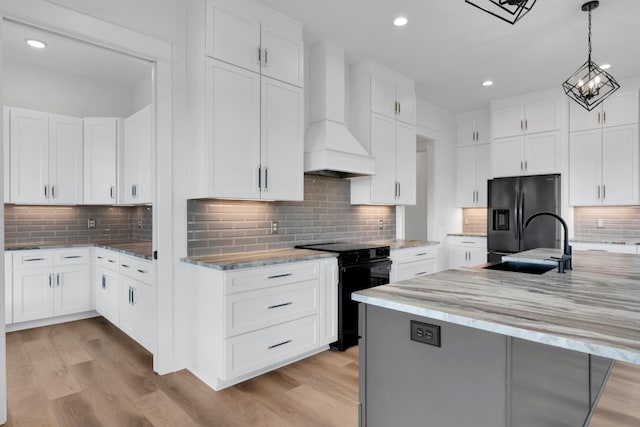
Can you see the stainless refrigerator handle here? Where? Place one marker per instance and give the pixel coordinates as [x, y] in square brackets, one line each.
[521, 222]
[516, 210]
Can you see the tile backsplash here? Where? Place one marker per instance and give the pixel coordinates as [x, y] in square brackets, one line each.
[224, 226]
[620, 223]
[474, 221]
[32, 224]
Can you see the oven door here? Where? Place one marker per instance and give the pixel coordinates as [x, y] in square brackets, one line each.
[354, 278]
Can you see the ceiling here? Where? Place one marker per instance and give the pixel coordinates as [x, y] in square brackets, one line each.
[449, 47]
[73, 57]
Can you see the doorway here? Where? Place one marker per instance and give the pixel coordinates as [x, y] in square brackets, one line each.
[416, 216]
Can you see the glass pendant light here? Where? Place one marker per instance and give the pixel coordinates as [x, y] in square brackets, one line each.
[510, 11]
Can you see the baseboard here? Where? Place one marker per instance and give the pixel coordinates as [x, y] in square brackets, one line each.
[51, 321]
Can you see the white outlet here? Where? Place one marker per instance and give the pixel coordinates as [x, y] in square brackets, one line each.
[274, 227]
[600, 223]
[91, 223]
[380, 225]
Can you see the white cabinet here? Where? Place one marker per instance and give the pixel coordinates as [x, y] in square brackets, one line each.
[50, 283]
[408, 263]
[619, 109]
[252, 320]
[137, 158]
[604, 247]
[529, 118]
[466, 251]
[473, 132]
[393, 97]
[472, 173]
[100, 141]
[254, 135]
[107, 294]
[6, 152]
[8, 288]
[604, 166]
[254, 37]
[46, 158]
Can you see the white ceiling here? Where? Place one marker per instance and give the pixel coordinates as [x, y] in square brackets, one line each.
[450, 47]
[72, 57]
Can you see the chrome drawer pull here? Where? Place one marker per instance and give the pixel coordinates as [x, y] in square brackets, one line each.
[126, 266]
[421, 273]
[279, 344]
[33, 259]
[142, 271]
[112, 261]
[277, 276]
[72, 256]
[271, 307]
[469, 243]
[99, 257]
[421, 254]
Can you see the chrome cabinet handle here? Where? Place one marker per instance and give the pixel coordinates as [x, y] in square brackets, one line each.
[46, 194]
[279, 344]
[277, 276]
[99, 257]
[72, 256]
[521, 165]
[112, 261]
[133, 296]
[399, 108]
[50, 280]
[421, 273]
[142, 271]
[111, 191]
[104, 282]
[526, 124]
[526, 165]
[598, 117]
[521, 125]
[271, 307]
[125, 265]
[58, 280]
[266, 179]
[259, 178]
[604, 118]
[259, 55]
[604, 192]
[399, 189]
[598, 192]
[33, 259]
[421, 254]
[53, 191]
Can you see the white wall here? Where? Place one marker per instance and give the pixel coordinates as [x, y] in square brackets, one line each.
[53, 92]
[142, 94]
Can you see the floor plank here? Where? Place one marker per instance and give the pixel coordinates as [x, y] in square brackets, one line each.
[163, 411]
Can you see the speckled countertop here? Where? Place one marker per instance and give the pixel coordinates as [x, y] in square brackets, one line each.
[402, 244]
[138, 248]
[591, 309]
[620, 241]
[238, 260]
[467, 235]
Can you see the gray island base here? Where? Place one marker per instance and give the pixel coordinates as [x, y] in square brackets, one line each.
[504, 349]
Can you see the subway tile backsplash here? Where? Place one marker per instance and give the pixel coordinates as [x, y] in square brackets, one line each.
[474, 221]
[224, 226]
[32, 224]
[620, 223]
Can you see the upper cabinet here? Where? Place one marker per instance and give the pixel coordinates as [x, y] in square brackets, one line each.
[136, 158]
[525, 138]
[253, 145]
[383, 117]
[618, 110]
[253, 37]
[101, 136]
[46, 163]
[473, 162]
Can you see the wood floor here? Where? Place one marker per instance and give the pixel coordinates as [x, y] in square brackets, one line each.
[89, 373]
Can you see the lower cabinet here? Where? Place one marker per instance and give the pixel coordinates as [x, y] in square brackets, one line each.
[408, 263]
[8, 288]
[467, 251]
[136, 313]
[107, 293]
[250, 321]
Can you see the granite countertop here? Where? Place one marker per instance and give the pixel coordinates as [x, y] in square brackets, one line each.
[467, 235]
[620, 241]
[138, 248]
[591, 309]
[238, 260]
[402, 244]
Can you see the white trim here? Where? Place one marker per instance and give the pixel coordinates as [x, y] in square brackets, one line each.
[3, 343]
[51, 321]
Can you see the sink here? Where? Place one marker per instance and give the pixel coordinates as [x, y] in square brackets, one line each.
[522, 267]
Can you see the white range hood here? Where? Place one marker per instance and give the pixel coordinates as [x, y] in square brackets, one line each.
[329, 148]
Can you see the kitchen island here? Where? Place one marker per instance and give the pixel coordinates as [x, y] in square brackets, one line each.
[514, 349]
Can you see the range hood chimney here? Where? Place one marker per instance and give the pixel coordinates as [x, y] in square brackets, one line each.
[329, 148]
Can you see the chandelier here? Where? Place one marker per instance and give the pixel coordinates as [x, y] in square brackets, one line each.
[508, 10]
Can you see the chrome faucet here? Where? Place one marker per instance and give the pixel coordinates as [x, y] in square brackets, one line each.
[564, 262]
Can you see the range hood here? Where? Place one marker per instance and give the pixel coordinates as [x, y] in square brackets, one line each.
[329, 148]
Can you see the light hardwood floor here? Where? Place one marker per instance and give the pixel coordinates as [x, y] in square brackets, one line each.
[89, 373]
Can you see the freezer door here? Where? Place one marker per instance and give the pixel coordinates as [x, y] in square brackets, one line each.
[502, 215]
[540, 194]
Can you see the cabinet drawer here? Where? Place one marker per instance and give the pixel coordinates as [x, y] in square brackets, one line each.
[415, 254]
[264, 277]
[71, 256]
[107, 258]
[137, 269]
[256, 350]
[32, 259]
[604, 247]
[415, 269]
[466, 241]
[249, 311]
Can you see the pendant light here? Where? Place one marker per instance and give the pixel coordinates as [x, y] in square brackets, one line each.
[508, 10]
[590, 84]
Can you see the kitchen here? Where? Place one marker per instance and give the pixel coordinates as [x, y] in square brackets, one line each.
[435, 124]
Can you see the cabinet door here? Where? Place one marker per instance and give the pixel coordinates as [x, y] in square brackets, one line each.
[136, 158]
[467, 133]
[477, 256]
[466, 177]
[29, 147]
[383, 97]
[406, 105]
[144, 315]
[328, 301]
[8, 288]
[282, 54]
[585, 167]
[233, 131]
[507, 156]
[541, 117]
[65, 160]
[458, 256]
[233, 34]
[406, 163]
[383, 141]
[107, 294]
[100, 147]
[620, 165]
[6, 152]
[282, 142]
[127, 310]
[508, 122]
[620, 109]
[483, 173]
[32, 294]
[101, 291]
[541, 153]
[581, 119]
[72, 289]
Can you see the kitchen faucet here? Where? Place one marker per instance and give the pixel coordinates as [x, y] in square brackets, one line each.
[564, 262]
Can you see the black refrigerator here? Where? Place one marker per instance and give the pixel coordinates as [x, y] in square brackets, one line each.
[510, 202]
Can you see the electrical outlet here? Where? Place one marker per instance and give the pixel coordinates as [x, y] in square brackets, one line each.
[600, 223]
[274, 227]
[425, 333]
[380, 225]
[91, 223]
[466, 221]
[139, 222]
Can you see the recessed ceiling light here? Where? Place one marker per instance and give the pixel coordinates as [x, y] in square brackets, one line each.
[605, 66]
[400, 21]
[36, 43]
[487, 83]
